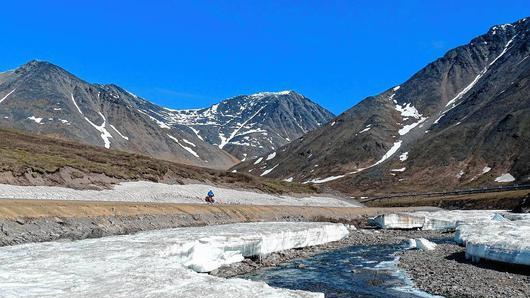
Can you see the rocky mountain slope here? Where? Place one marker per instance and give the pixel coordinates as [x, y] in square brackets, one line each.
[35, 160]
[247, 126]
[43, 98]
[462, 121]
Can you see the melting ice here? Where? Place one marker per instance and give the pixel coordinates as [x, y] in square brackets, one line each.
[160, 263]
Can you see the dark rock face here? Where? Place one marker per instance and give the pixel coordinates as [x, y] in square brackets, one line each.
[462, 121]
[524, 207]
[247, 126]
[43, 98]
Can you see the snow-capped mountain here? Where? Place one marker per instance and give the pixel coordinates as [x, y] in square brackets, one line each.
[43, 98]
[462, 121]
[247, 126]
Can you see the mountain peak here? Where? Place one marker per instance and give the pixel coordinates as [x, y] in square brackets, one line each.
[264, 94]
[37, 64]
[509, 27]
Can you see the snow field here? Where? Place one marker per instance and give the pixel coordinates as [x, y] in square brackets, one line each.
[155, 263]
[143, 191]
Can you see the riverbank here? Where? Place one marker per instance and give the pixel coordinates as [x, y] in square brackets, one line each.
[25, 221]
[443, 271]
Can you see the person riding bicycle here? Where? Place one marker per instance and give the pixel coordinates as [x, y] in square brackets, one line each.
[209, 197]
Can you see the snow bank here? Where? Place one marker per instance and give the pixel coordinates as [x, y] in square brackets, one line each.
[154, 263]
[143, 191]
[503, 241]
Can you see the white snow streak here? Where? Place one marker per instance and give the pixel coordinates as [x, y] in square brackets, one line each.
[75, 103]
[464, 91]
[389, 153]
[258, 160]
[367, 128]
[189, 143]
[121, 135]
[266, 172]
[105, 135]
[196, 131]
[324, 180]
[225, 141]
[184, 147]
[3, 98]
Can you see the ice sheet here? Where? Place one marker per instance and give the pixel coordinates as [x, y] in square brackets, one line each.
[143, 191]
[434, 220]
[154, 263]
[450, 219]
[504, 241]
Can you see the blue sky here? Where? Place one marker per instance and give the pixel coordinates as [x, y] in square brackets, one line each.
[185, 54]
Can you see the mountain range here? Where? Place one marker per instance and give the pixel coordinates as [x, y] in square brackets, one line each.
[43, 98]
[461, 121]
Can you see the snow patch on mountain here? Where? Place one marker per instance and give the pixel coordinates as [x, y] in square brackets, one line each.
[486, 169]
[408, 110]
[409, 127]
[271, 156]
[404, 156]
[324, 180]
[504, 178]
[36, 119]
[367, 128]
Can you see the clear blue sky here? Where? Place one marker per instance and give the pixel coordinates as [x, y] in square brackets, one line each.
[184, 54]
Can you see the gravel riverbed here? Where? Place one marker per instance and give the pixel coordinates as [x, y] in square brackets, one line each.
[443, 271]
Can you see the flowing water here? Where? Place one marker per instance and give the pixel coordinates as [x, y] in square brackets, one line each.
[356, 271]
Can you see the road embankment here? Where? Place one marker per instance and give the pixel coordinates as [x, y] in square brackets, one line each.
[24, 221]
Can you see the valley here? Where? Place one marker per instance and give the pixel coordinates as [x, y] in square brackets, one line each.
[420, 190]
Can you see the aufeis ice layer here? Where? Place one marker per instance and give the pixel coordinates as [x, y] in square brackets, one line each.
[143, 191]
[503, 241]
[155, 263]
